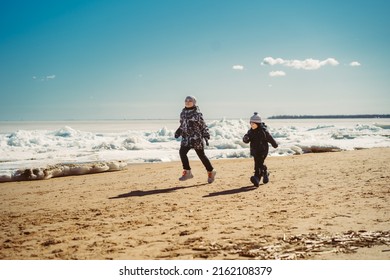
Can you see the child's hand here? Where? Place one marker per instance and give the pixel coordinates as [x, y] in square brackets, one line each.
[178, 133]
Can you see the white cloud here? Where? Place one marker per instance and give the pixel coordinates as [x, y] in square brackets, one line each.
[238, 67]
[272, 61]
[44, 78]
[277, 74]
[307, 64]
[354, 64]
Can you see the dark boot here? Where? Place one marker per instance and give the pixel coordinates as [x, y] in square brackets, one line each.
[255, 181]
[265, 176]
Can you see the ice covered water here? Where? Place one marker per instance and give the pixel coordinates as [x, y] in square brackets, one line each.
[81, 147]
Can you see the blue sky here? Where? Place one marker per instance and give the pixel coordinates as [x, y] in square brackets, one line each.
[140, 59]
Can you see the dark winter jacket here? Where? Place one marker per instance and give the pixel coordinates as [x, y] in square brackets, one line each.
[259, 139]
[193, 128]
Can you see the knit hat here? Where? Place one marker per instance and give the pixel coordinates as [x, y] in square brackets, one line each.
[192, 98]
[255, 118]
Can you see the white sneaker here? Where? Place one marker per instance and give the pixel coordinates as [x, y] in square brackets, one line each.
[211, 176]
[186, 175]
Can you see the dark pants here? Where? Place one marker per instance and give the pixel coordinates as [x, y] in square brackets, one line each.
[260, 168]
[202, 156]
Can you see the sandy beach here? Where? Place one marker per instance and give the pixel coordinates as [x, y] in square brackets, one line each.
[316, 206]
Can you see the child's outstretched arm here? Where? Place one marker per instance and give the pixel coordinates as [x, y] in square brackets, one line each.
[204, 128]
[178, 132]
[271, 140]
[246, 139]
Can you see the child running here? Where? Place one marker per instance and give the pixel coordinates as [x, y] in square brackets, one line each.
[193, 131]
[259, 137]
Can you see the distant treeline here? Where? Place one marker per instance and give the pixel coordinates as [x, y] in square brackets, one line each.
[383, 116]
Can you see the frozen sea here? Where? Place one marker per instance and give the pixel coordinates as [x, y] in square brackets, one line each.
[95, 146]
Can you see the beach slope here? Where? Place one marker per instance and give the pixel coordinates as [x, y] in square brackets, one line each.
[316, 206]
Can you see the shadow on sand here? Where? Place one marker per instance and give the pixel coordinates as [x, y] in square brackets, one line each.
[232, 191]
[152, 192]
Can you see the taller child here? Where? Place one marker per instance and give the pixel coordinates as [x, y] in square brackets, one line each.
[194, 133]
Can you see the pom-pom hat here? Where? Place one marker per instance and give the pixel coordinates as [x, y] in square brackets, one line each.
[255, 118]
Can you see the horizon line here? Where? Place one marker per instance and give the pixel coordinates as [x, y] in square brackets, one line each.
[284, 116]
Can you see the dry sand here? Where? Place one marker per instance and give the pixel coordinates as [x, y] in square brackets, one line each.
[316, 206]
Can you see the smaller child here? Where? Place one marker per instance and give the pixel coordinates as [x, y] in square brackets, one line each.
[259, 137]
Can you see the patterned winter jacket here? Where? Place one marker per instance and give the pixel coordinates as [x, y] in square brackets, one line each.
[259, 139]
[193, 128]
